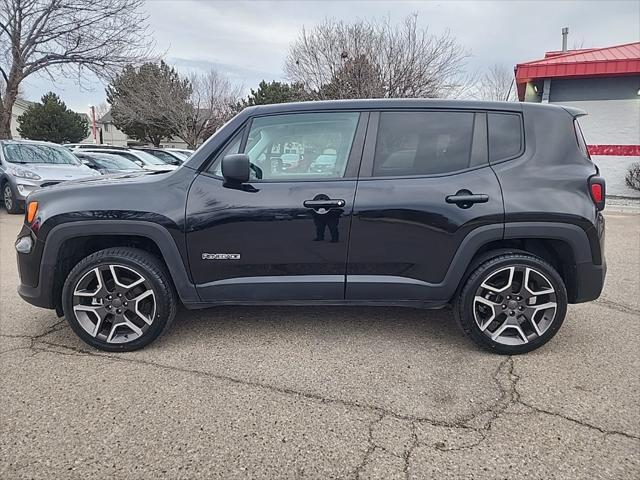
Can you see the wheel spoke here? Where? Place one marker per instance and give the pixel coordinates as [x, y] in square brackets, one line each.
[527, 279]
[484, 324]
[138, 299]
[534, 310]
[505, 326]
[505, 287]
[126, 286]
[99, 288]
[125, 322]
[99, 312]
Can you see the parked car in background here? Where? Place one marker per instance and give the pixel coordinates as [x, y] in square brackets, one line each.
[93, 146]
[143, 159]
[27, 165]
[172, 158]
[181, 151]
[107, 163]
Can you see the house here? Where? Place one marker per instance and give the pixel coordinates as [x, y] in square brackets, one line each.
[19, 107]
[108, 134]
[605, 82]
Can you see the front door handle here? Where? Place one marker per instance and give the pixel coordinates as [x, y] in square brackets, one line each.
[324, 205]
[466, 199]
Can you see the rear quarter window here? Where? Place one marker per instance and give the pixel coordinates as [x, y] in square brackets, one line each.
[582, 144]
[505, 136]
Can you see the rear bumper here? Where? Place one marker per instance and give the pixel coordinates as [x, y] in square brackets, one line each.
[589, 281]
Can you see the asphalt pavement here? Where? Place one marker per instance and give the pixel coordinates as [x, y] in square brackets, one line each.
[292, 392]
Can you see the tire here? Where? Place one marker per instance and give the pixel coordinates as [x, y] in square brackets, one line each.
[107, 303]
[515, 319]
[9, 199]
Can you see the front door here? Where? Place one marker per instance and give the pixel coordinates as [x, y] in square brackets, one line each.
[425, 185]
[283, 235]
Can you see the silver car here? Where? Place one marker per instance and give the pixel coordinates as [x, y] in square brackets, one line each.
[27, 165]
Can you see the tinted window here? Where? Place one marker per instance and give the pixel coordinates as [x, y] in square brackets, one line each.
[580, 137]
[301, 146]
[423, 143]
[505, 135]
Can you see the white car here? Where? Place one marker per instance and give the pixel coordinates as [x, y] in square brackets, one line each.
[144, 159]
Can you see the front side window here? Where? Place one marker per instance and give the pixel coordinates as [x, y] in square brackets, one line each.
[24, 153]
[303, 146]
[505, 135]
[423, 143]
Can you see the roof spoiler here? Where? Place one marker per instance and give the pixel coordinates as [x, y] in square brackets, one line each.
[575, 112]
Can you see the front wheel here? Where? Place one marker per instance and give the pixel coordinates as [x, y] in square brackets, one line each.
[9, 198]
[512, 304]
[119, 299]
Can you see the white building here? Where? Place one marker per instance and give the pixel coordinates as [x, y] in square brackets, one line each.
[605, 82]
[108, 134]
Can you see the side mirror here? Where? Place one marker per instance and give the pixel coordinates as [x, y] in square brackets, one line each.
[139, 163]
[236, 168]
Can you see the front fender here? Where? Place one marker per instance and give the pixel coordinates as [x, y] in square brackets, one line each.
[42, 294]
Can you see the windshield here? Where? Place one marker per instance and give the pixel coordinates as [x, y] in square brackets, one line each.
[24, 153]
[114, 162]
[180, 154]
[148, 158]
[166, 157]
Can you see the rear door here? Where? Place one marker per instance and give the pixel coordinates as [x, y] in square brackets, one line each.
[425, 184]
[283, 235]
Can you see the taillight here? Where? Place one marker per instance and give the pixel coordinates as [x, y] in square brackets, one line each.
[597, 190]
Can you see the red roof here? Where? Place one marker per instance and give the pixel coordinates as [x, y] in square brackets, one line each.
[589, 62]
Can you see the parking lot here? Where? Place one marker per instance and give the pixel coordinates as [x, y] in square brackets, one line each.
[324, 392]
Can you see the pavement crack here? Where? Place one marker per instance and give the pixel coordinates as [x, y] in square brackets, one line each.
[371, 446]
[621, 307]
[579, 422]
[250, 383]
[409, 451]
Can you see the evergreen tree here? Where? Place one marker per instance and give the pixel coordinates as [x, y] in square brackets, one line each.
[52, 121]
[275, 92]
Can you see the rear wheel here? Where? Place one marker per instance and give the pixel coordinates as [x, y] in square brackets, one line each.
[512, 304]
[119, 299]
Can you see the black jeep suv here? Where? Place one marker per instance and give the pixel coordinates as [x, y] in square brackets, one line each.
[492, 207]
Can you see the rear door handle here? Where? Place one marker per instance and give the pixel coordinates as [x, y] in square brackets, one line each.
[324, 204]
[466, 199]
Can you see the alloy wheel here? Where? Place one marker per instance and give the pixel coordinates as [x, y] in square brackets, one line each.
[515, 305]
[114, 303]
[8, 197]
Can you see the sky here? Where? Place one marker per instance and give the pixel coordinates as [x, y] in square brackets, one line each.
[249, 40]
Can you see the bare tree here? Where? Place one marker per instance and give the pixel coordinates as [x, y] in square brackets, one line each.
[66, 37]
[404, 60]
[498, 84]
[102, 109]
[213, 101]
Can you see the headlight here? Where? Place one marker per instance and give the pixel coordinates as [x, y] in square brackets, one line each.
[22, 173]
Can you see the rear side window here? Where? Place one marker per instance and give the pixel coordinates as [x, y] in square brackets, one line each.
[580, 137]
[505, 136]
[423, 143]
